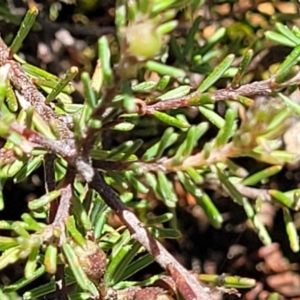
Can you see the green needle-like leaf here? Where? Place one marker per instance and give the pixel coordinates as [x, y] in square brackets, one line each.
[50, 259]
[44, 200]
[190, 37]
[69, 76]
[166, 190]
[77, 236]
[78, 272]
[279, 38]
[291, 230]
[234, 193]
[211, 211]
[290, 60]
[24, 281]
[289, 103]
[120, 263]
[258, 225]
[104, 56]
[137, 265]
[283, 199]
[283, 29]
[173, 121]
[216, 74]
[213, 117]
[261, 175]
[156, 151]
[228, 281]
[242, 68]
[227, 131]
[163, 69]
[28, 168]
[24, 29]
[7, 242]
[31, 263]
[176, 93]
[9, 256]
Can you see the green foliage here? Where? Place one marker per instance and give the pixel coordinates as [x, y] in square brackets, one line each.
[160, 144]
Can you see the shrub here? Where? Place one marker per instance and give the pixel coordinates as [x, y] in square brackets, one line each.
[151, 124]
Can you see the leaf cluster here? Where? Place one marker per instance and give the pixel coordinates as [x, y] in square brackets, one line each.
[135, 139]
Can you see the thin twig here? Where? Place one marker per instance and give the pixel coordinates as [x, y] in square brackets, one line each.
[188, 285]
[264, 87]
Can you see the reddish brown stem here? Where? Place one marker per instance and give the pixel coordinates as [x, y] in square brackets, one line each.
[188, 285]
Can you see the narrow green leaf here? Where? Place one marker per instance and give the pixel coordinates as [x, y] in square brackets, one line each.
[283, 29]
[283, 199]
[279, 39]
[173, 121]
[124, 126]
[28, 168]
[31, 263]
[11, 99]
[80, 214]
[189, 42]
[127, 149]
[167, 27]
[77, 236]
[289, 103]
[258, 225]
[228, 130]
[261, 175]
[44, 200]
[165, 233]
[291, 230]
[146, 86]
[160, 219]
[41, 126]
[211, 211]
[7, 242]
[195, 175]
[166, 190]
[163, 82]
[215, 38]
[31, 222]
[24, 29]
[228, 281]
[175, 93]
[120, 261]
[14, 168]
[99, 225]
[213, 117]
[247, 57]
[70, 74]
[137, 265]
[46, 289]
[168, 138]
[136, 184]
[123, 240]
[216, 73]
[81, 278]
[90, 96]
[104, 56]
[164, 70]
[20, 230]
[24, 281]
[234, 193]
[290, 60]
[9, 256]
[50, 259]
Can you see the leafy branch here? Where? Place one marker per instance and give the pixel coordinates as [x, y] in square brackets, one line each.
[86, 180]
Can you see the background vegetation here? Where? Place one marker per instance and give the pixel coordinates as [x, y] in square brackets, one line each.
[149, 149]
